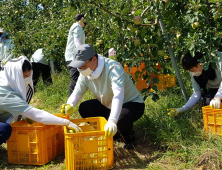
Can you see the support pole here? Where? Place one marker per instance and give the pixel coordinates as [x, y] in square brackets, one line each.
[173, 60]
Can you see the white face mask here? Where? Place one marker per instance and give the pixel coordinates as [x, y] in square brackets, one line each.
[86, 72]
[198, 73]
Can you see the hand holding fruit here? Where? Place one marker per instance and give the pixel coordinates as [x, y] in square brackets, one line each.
[72, 126]
[174, 111]
[67, 109]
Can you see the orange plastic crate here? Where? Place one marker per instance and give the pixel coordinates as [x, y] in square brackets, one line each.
[34, 144]
[212, 120]
[90, 149]
[164, 80]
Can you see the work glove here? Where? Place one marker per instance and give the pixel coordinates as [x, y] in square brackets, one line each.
[110, 128]
[175, 111]
[67, 109]
[72, 126]
[215, 103]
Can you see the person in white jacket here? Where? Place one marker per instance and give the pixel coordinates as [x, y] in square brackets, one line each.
[16, 91]
[116, 97]
[41, 66]
[76, 37]
[6, 47]
[206, 84]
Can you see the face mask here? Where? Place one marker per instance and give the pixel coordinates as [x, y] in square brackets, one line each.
[86, 72]
[198, 73]
[27, 80]
[85, 24]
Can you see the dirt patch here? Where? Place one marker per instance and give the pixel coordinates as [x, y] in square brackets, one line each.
[210, 160]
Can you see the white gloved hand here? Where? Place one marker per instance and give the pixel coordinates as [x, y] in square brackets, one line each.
[72, 126]
[110, 128]
[215, 103]
[175, 111]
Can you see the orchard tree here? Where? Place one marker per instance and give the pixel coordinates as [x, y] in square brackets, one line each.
[131, 27]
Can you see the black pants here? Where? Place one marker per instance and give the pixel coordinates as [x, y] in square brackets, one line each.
[74, 77]
[130, 113]
[39, 68]
[5, 132]
[207, 97]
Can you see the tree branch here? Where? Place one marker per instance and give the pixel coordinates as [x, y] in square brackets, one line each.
[145, 11]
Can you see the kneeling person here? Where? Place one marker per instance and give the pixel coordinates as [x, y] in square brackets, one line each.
[16, 91]
[206, 84]
[117, 98]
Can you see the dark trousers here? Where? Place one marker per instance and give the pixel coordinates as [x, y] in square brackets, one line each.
[5, 132]
[74, 77]
[208, 96]
[39, 68]
[130, 113]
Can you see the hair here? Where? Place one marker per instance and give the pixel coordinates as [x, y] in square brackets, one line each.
[96, 55]
[79, 16]
[26, 66]
[188, 62]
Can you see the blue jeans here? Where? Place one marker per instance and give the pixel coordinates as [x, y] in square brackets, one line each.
[5, 132]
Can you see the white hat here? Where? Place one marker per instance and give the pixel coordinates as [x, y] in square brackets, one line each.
[1, 29]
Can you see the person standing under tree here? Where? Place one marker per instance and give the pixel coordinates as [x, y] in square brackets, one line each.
[76, 37]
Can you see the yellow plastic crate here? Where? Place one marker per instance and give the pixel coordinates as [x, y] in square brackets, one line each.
[90, 149]
[212, 120]
[34, 144]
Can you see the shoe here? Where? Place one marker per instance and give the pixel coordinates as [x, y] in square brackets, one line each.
[130, 145]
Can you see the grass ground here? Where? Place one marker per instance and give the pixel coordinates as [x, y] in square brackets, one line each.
[163, 142]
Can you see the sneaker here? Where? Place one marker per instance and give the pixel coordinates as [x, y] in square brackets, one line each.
[130, 145]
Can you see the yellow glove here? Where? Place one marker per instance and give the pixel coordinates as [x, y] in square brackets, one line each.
[174, 111]
[110, 129]
[30, 121]
[67, 109]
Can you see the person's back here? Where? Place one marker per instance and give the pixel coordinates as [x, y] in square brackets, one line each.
[41, 66]
[76, 31]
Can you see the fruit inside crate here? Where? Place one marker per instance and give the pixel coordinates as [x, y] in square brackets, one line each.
[90, 149]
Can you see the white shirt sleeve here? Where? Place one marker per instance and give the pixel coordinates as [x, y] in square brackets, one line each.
[117, 103]
[74, 99]
[44, 117]
[192, 100]
[219, 92]
[52, 67]
[77, 41]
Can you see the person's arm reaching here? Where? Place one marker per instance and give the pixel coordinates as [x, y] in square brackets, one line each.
[195, 97]
[117, 102]
[192, 100]
[74, 99]
[46, 118]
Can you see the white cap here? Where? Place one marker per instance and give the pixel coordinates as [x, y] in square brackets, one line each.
[1, 29]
